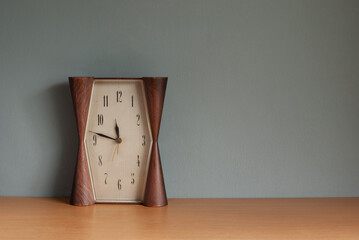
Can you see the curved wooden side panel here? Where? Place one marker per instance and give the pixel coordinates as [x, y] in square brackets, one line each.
[155, 192]
[81, 88]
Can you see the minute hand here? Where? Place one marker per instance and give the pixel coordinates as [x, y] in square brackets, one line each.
[103, 135]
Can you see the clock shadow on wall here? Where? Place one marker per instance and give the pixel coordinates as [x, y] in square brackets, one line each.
[64, 127]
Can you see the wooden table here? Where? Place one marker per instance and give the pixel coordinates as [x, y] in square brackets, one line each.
[54, 218]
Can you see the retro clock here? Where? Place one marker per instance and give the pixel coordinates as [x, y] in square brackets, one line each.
[118, 158]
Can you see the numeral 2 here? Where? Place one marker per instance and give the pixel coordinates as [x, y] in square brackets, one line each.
[138, 119]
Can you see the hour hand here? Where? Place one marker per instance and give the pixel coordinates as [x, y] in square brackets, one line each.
[117, 129]
[103, 135]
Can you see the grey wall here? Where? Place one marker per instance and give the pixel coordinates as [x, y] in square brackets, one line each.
[262, 99]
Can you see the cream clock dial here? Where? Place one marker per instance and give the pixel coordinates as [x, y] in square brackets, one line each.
[118, 140]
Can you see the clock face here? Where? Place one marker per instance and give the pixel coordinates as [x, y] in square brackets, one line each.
[118, 140]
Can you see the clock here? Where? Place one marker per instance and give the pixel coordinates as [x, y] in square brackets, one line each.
[118, 158]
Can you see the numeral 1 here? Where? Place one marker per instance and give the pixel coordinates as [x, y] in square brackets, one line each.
[132, 101]
[138, 160]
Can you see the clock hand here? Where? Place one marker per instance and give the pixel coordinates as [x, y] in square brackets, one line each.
[114, 151]
[103, 135]
[118, 139]
[117, 129]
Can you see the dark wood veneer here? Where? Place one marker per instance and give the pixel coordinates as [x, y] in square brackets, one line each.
[155, 193]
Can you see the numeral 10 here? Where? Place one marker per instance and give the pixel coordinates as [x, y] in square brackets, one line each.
[100, 119]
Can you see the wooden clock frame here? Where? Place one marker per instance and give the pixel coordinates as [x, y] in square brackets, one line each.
[81, 89]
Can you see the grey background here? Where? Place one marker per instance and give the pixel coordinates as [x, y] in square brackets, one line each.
[262, 98]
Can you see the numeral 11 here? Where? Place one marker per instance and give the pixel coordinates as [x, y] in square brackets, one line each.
[105, 101]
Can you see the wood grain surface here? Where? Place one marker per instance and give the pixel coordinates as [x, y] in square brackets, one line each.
[82, 193]
[155, 193]
[311, 218]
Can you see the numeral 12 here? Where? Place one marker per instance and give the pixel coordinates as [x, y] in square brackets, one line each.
[119, 95]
